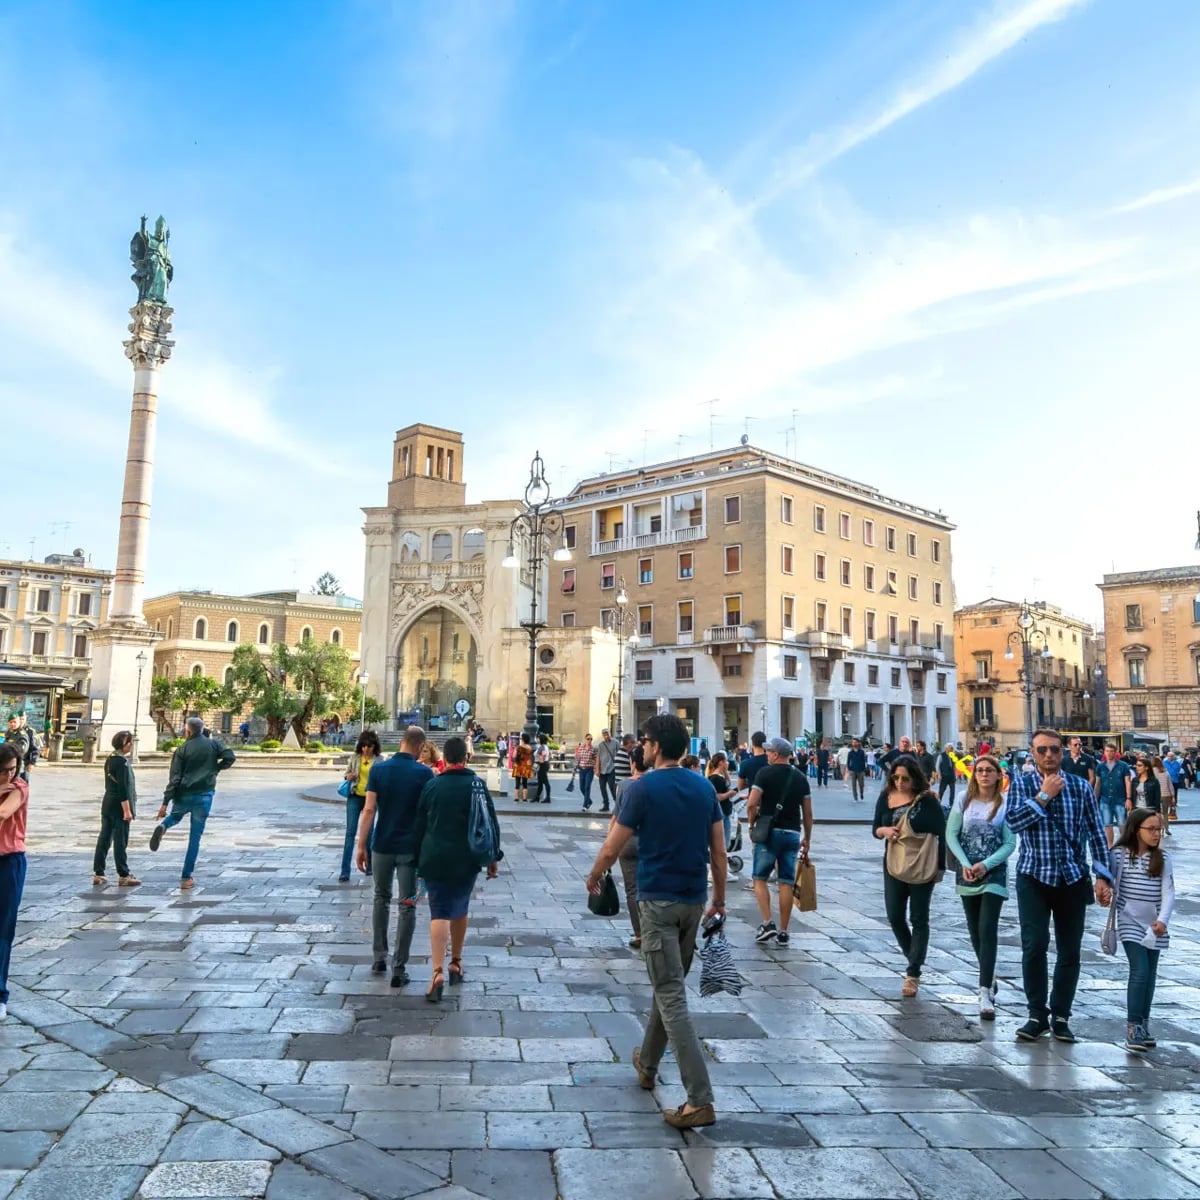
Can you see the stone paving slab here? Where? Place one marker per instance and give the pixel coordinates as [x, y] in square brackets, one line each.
[232, 1041]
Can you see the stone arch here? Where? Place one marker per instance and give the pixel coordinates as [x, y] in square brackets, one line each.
[434, 661]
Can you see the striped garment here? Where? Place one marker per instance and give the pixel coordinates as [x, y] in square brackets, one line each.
[1140, 899]
[717, 970]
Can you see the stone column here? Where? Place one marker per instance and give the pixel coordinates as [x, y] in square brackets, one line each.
[120, 692]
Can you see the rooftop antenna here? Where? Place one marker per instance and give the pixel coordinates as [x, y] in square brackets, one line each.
[63, 526]
[32, 543]
[679, 446]
[712, 436]
[795, 444]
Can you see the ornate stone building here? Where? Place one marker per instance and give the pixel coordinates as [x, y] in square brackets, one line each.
[1152, 651]
[441, 613]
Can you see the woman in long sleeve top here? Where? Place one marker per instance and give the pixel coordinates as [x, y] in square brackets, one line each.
[978, 836]
[117, 810]
[907, 795]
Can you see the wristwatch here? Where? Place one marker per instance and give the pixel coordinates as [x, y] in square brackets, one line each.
[1043, 798]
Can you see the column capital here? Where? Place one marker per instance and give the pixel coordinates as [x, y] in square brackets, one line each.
[150, 346]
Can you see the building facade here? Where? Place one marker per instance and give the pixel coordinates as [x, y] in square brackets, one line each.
[441, 613]
[48, 612]
[991, 696]
[201, 630]
[765, 594]
[1152, 650]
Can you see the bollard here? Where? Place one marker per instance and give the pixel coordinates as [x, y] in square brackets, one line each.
[89, 748]
[54, 747]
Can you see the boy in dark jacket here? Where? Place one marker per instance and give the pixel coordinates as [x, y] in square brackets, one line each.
[117, 809]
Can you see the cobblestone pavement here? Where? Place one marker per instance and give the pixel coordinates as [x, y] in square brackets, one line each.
[232, 1042]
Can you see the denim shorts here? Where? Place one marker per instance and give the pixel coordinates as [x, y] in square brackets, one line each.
[1112, 812]
[781, 852]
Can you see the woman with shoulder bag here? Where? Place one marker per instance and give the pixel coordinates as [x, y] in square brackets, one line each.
[367, 751]
[910, 820]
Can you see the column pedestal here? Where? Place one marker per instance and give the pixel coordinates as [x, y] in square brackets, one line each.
[115, 684]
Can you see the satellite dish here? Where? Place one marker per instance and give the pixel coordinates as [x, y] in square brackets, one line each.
[745, 439]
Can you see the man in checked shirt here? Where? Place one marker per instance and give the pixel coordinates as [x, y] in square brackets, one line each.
[1059, 822]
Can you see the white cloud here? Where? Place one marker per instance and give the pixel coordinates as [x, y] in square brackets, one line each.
[1159, 196]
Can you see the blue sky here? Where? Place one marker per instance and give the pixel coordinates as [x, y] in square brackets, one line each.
[954, 246]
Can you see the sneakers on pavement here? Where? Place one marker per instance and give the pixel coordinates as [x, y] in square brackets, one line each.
[379, 966]
[186, 885]
[3, 1010]
[766, 933]
[1148, 1038]
[1060, 1030]
[1135, 1039]
[157, 836]
[987, 1005]
[1032, 1030]
[781, 938]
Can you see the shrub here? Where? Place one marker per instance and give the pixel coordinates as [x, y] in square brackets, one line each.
[487, 747]
[246, 750]
[313, 747]
[171, 743]
[73, 744]
[269, 744]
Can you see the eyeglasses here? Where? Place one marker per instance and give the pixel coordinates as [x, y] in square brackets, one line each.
[1047, 749]
[1147, 828]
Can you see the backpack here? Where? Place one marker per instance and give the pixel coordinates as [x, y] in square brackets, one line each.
[483, 834]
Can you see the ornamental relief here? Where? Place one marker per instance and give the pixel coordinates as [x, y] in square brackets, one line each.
[408, 596]
[551, 679]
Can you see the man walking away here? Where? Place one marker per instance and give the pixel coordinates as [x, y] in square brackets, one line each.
[856, 767]
[606, 761]
[947, 782]
[1058, 823]
[189, 791]
[677, 820]
[753, 763]
[393, 790]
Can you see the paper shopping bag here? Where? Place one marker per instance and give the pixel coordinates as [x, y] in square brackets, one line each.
[805, 888]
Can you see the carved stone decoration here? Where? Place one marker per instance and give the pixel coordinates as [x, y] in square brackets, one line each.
[552, 679]
[469, 595]
[150, 345]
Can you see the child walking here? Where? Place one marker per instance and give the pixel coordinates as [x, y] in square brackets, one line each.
[1144, 894]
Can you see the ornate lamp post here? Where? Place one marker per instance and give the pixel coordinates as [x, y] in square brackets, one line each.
[141, 664]
[632, 641]
[538, 527]
[1030, 637]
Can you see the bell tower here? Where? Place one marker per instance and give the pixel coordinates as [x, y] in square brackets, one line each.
[427, 465]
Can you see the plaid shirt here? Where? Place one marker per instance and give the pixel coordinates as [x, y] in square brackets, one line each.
[1054, 839]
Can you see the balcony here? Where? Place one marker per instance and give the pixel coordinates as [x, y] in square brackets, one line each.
[919, 655]
[737, 639]
[648, 541]
[427, 570]
[823, 643]
[980, 685]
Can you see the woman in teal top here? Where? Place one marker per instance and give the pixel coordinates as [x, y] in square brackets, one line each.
[979, 837]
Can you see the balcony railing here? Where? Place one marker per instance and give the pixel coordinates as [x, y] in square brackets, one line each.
[724, 634]
[426, 570]
[647, 541]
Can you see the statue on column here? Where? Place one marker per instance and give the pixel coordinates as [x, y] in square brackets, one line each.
[152, 270]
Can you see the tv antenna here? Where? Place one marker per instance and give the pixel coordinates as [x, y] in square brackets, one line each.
[712, 404]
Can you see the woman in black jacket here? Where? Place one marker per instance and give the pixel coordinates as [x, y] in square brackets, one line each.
[116, 811]
[1146, 791]
[907, 794]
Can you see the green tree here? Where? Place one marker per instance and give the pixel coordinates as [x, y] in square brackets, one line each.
[373, 712]
[164, 702]
[327, 585]
[260, 680]
[320, 674]
[190, 695]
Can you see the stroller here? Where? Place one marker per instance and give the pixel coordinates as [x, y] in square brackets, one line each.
[735, 837]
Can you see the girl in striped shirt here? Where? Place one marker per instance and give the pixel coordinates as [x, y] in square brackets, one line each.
[1144, 893]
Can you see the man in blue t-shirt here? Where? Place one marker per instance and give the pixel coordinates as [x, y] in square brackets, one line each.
[679, 828]
[755, 763]
[1114, 789]
[393, 789]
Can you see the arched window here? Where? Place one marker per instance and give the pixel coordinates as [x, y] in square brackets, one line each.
[231, 632]
[473, 545]
[158, 627]
[410, 547]
[336, 637]
[229, 677]
[170, 627]
[264, 634]
[306, 634]
[201, 629]
[443, 546]
[197, 670]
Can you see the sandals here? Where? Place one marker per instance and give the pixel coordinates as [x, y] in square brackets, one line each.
[434, 994]
[456, 972]
[909, 987]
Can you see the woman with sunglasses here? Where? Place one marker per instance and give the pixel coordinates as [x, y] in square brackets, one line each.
[1144, 895]
[907, 814]
[978, 836]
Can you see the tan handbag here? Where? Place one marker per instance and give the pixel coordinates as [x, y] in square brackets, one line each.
[804, 890]
[912, 857]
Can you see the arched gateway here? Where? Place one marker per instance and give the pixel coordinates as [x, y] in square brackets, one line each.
[435, 667]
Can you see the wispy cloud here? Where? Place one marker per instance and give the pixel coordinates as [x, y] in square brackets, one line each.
[1159, 196]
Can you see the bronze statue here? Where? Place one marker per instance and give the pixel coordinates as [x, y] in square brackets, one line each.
[152, 270]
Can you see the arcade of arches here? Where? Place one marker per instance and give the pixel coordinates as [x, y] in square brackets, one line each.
[435, 666]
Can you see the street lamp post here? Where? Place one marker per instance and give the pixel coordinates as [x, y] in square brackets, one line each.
[1030, 637]
[137, 709]
[622, 617]
[538, 526]
[363, 680]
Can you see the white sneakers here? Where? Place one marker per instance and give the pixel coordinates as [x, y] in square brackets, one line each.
[987, 1004]
[3, 1010]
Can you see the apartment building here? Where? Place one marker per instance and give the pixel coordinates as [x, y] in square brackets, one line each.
[1152, 650]
[200, 630]
[48, 612]
[764, 593]
[1063, 659]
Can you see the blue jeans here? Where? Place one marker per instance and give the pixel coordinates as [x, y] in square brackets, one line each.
[780, 851]
[1112, 812]
[197, 807]
[1143, 971]
[354, 809]
[12, 884]
[586, 775]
